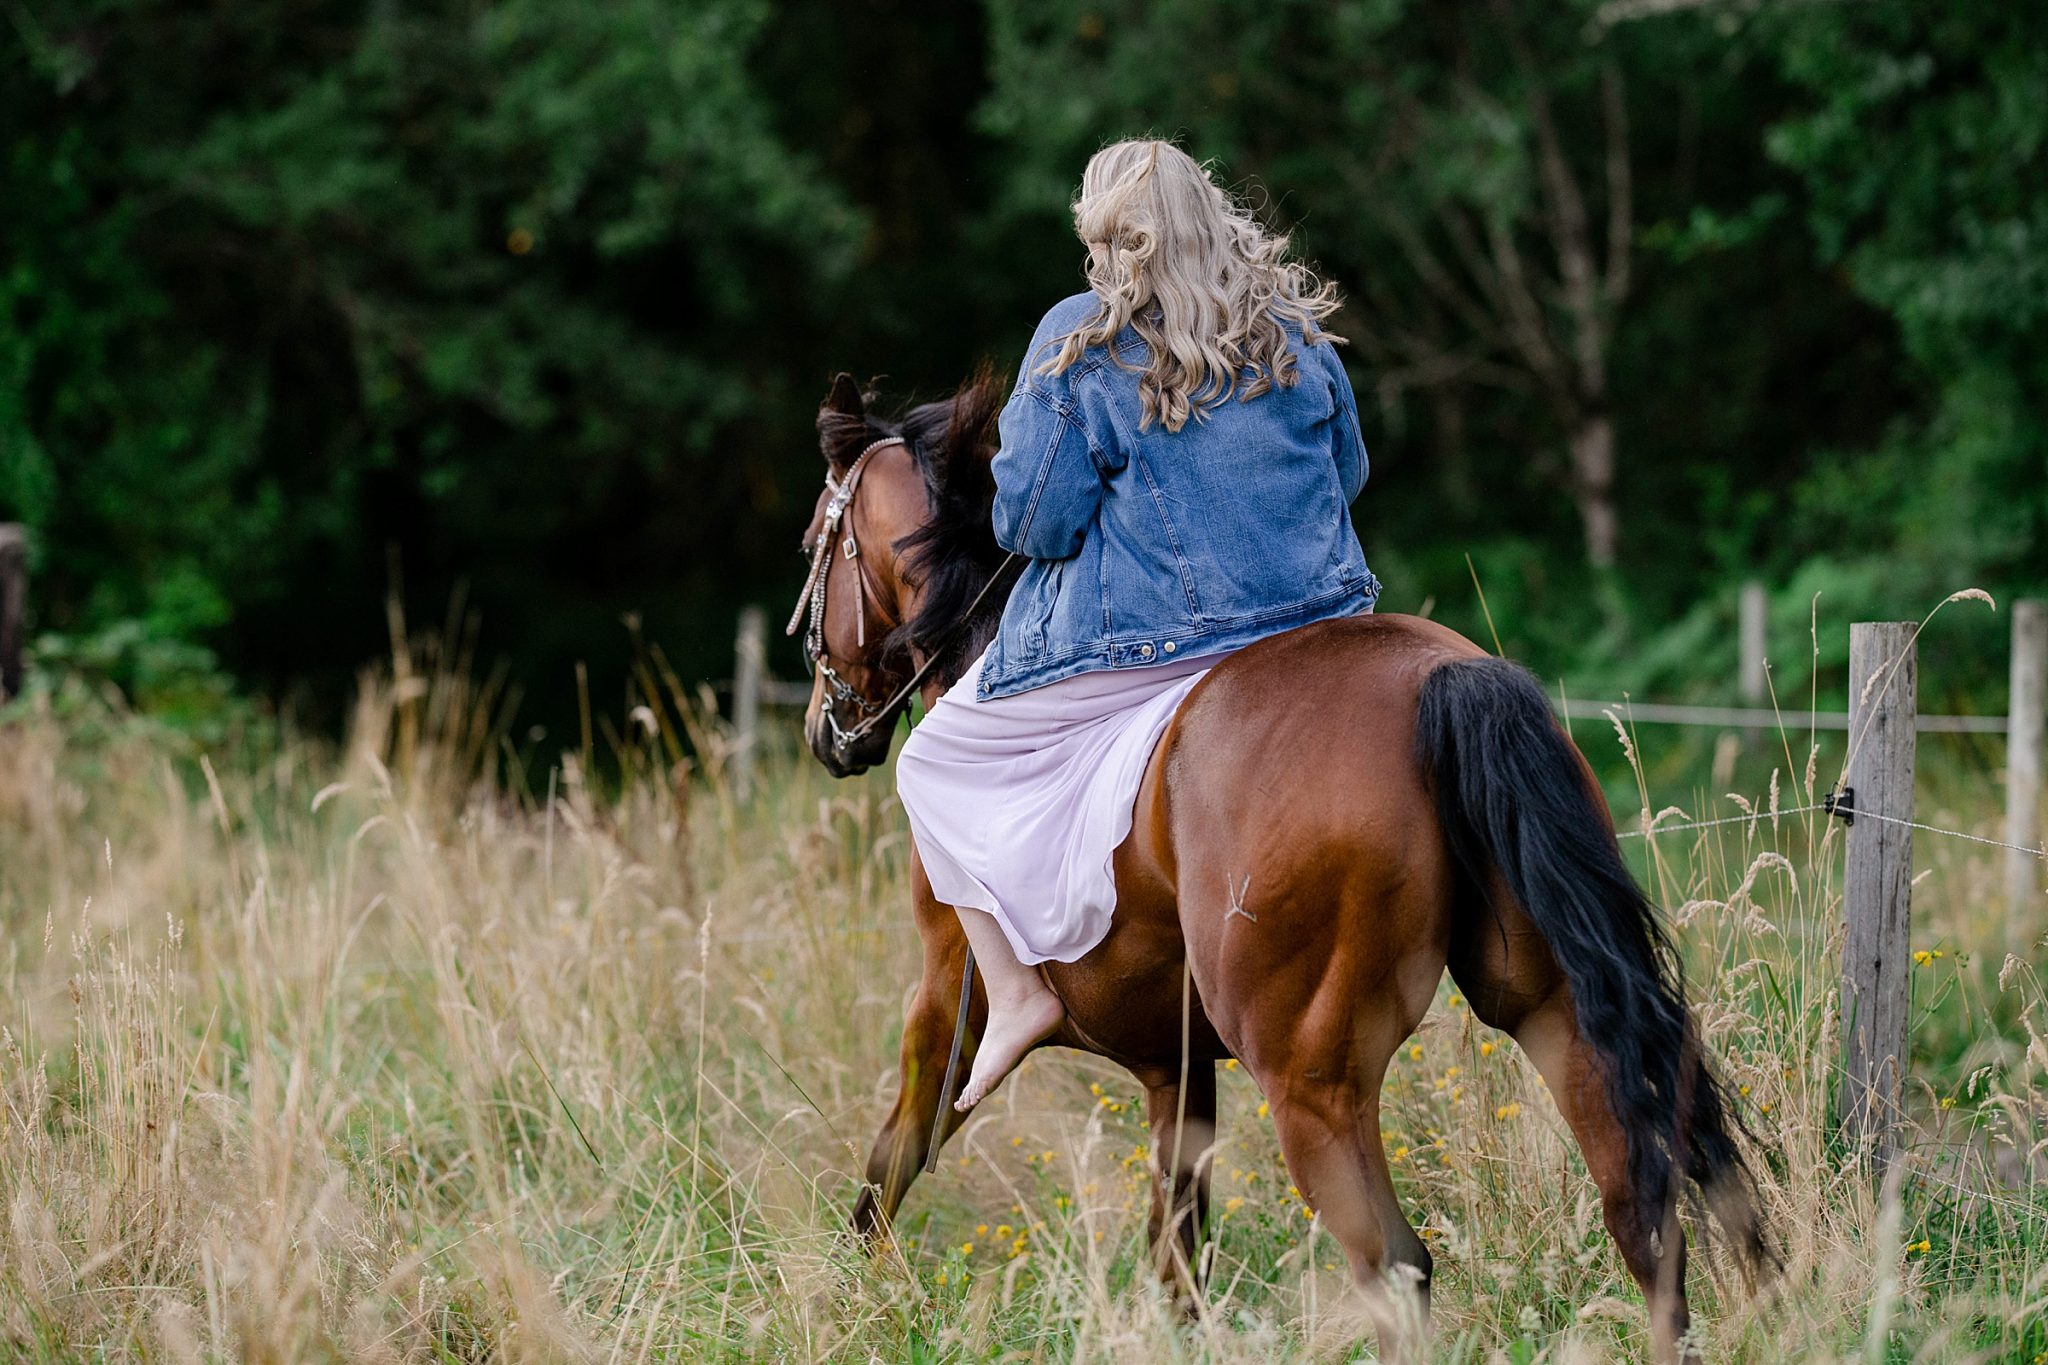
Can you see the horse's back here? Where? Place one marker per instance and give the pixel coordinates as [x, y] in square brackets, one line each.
[1316, 724]
[1297, 827]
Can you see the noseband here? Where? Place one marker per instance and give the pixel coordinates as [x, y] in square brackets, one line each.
[811, 603]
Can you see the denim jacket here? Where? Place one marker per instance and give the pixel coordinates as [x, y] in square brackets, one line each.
[1152, 546]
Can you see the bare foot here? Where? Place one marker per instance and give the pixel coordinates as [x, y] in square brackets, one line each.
[1011, 1032]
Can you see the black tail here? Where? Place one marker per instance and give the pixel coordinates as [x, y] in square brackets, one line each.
[1511, 794]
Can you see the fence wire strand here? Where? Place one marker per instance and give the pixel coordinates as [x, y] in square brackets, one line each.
[1755, 816]
[1750, 818]
[1951, 833]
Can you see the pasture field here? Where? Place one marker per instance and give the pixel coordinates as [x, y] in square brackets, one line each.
[371, 1053]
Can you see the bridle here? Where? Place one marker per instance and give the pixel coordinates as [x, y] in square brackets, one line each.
[812, 599]
[810, 604]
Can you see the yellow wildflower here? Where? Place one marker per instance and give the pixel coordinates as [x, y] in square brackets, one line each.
[1415, 1052]
[1486, 1049]
[1264, 1109]
[1508, 1111]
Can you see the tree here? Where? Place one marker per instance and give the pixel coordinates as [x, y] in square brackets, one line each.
[1923, 146]
[293, 281]
[1484, 147]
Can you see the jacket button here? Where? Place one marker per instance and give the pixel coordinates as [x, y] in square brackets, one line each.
[1144, 651]
[1168, 646]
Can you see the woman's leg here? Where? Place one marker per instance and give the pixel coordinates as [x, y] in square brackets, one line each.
[1022, 1009]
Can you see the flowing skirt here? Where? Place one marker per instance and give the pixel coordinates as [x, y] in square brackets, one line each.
[1018, 803]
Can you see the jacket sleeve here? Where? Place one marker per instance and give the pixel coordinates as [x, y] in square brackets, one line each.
[1048, 487]
[1349, 440]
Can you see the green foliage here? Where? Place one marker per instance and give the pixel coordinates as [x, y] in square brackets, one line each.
[299, 282]
[1946, 230]
[537, 299]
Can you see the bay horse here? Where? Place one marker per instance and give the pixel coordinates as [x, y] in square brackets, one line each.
[1334, 816]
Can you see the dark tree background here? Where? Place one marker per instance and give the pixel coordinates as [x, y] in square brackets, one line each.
[304, 301]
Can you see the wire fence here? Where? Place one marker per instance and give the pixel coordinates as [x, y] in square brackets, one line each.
[1764, 718]
[1762, 816]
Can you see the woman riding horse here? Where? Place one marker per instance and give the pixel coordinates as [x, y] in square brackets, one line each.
[1178, 461]
[1189, 798]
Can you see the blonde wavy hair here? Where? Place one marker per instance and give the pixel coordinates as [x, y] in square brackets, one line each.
[1210, 291]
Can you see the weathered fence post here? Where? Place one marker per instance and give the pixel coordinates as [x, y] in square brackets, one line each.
[1749, 635]
[13, 606]
[750, 656]
[1878, 883]
[2026, 716]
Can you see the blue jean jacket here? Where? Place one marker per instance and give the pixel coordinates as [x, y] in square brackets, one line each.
[1151, 546]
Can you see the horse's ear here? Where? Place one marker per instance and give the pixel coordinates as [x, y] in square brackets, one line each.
[846, 397]
[843, 422]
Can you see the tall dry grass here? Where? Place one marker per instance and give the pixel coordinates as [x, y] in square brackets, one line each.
[370, 1053]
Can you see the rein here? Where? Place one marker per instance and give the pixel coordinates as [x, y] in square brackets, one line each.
[924, 670]
[811, 602]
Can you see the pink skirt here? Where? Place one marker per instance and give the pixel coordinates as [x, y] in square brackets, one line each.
[1018, 803]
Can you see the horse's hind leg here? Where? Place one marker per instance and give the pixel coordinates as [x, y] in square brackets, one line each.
[1330, 1136]
[905, 1140]
[1322, 1062]
[1513, 984]
[1183, 1120]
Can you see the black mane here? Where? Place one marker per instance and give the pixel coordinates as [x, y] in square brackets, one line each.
[954, 554]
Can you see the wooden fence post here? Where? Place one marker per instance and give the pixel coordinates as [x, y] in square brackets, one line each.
[750, 656]
[13, 606]
[1878, 884]
[2027, 716]
[1750, 636]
